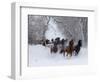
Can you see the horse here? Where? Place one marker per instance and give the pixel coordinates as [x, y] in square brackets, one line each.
[57, 40]
[69, 49]
[63, 45]
[78, 47]
[45, 42]
[52, 40]
[54, 49]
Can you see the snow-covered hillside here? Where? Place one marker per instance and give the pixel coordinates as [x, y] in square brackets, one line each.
[41, 56]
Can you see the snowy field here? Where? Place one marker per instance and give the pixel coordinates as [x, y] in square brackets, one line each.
[41, 56]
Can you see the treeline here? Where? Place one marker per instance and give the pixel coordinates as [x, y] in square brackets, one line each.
[71, 27]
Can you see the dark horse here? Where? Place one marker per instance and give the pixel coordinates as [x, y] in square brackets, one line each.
[78, 47]
[45, 42]
[54, 47]
[63, 45]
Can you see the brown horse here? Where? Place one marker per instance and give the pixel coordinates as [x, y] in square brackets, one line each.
[69, 49]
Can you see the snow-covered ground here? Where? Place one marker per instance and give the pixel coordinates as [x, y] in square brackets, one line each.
[41, 56]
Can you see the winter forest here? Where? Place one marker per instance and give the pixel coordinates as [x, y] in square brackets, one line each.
[45, 34]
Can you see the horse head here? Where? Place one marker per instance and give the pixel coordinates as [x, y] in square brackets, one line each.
[71, 43]
[80, 43]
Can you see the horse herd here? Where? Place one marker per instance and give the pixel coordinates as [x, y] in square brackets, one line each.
[63, 46]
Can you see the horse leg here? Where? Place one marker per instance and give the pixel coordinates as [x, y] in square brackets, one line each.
[71, 55]
[76, 53]
[64, 53]
[67, 54]
[51, 51]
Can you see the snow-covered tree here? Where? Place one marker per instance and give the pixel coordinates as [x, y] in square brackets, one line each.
[42, 27]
